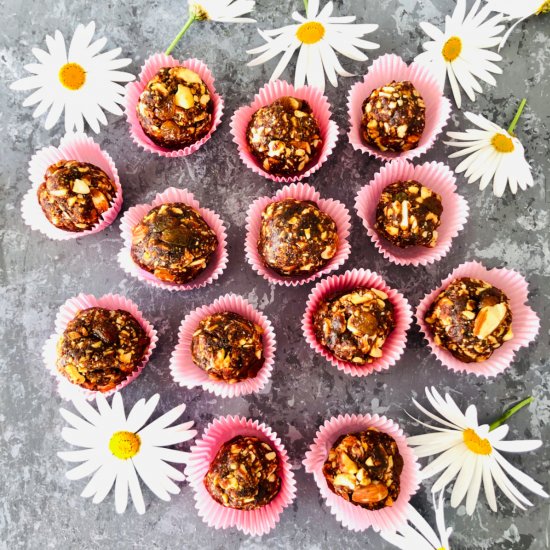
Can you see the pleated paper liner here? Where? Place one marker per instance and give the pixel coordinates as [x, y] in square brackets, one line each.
[395, 344]
[134, 215]
[384, 70]
[133, 90]
[187, 374]
[268, 94]
[349, 515]
[525, 322]
[67, 313]
[299, 191]
[440, 179]
[78, 147]
[251, 522]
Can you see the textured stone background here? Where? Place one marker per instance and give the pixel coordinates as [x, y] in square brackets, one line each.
[40, 508]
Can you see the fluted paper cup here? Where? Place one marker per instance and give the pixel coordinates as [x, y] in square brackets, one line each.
[134, 215]
[133, 90]
[395, 344]
[349, 515]
[78, 147]
[67, 312]
[187, 374]
[525, 322]
[384, 70]
[299, 191]
[440, 179]
[268, 94]
[251, 522]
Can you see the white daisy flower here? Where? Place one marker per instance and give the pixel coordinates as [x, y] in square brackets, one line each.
[117, 449]
[223, 11]
[514, 9]
[318, 36]
[492, 155]
[80, 81]
[471, 453]
[461, 52]
[417, 533]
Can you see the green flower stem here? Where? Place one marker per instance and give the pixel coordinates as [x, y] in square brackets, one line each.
[516, 118]
[188, 23]
[510, 412]
[305, 4]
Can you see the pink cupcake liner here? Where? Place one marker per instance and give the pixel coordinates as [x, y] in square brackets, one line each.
[525, 322]
[360, 278]
[133, 90]
[67, 313]
[134, 215]
[78, 147]
[354, 517]
[300, 191]
[438, 178]
[268, 94]
[187, 374]
[383, 70]
[251, 522]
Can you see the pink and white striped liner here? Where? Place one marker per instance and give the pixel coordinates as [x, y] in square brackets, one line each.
[525, 322]
[78, 147]
[395, 344]
[251, 522]
[133, 90]
[438, 178]
[187, 374]
[67, 312]
[268, 94]
[135, 214]
[348, 514]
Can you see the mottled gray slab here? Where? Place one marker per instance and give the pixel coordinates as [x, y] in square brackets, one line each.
[40, 508]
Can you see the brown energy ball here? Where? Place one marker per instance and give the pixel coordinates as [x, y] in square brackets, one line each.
[228, 347]
[394, 117]
[470, 319]
[408, 214]
[354, 325]
[173, 242]
[175, 108]
[365, 468]
[296, 238]
[74, 195]
[244, 474]
[100, 348]
[284, 136]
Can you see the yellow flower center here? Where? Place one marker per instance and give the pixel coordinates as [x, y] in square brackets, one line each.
[476, 444]
[544, 8]
[125, 445]
[198, 12]
[452, 48]
[72, 76]
[310, 32]
[502, 143]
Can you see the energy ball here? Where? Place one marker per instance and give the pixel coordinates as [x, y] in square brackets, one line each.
[296, 238]
[408, 214]
[284, 136]
[175, 108]
[470, 319]
[100, 348]
[228, 347]
[364, 468]
[354, 325]
[394, 117]
[173, 242]
[244, 474]
[74, 195]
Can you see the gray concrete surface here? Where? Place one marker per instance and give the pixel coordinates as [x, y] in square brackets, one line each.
[40, 508]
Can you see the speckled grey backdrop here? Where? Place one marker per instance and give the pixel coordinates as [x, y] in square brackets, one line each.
[40, 508]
